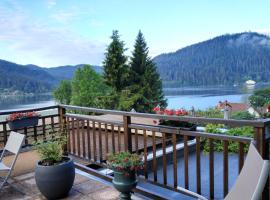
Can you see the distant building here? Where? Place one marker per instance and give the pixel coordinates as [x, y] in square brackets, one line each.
[233, 106]
[250, 82]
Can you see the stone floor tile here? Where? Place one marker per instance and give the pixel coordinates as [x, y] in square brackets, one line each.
[80, 179]
[89, 187]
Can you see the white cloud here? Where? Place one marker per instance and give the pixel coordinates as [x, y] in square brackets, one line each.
[34, 42]
[51, 3]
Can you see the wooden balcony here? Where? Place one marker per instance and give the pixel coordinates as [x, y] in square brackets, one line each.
[172, 157]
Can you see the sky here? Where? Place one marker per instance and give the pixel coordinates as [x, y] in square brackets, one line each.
[53, 33]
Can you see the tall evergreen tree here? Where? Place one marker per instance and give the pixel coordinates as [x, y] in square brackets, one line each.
[115, 68]
[144, 78]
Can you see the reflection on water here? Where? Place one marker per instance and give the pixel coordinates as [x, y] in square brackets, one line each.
[24, 102]
[205, 97]
[186, 97]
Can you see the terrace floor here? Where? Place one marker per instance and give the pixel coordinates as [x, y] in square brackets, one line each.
[85, 188]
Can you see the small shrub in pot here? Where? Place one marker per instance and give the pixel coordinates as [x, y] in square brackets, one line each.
[55, 172]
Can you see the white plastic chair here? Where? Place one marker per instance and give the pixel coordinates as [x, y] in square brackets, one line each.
[252, 178]
[250, 182]
[13, 145]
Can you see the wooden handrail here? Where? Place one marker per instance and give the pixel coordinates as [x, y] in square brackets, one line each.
[29, 110]
[229, 122]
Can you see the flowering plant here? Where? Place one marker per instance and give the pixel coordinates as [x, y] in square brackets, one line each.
[171, 112]
[178, 112]
[15, 116]
[124, 161]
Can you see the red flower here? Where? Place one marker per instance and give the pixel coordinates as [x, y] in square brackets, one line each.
[169, 112]
[156, 109]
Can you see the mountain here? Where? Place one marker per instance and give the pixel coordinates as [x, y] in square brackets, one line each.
[225, 60]
[67, 72]
[32, 78]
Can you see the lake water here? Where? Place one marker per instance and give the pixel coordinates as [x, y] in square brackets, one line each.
[186, 97]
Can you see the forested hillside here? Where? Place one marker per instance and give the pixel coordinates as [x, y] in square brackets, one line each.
[224, 60]
[24, 78]
[32, 78]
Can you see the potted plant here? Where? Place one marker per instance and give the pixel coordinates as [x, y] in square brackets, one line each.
[23, 119]
[125, 165]
[54, 173]
[178, 112]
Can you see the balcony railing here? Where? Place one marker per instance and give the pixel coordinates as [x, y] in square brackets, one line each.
[91, 137]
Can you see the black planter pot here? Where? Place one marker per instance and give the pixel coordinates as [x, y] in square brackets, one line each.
[124, 182]
[21, 123]
[179, 124]
[55, 181]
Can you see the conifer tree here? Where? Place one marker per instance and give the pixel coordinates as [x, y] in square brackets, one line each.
[114, 65]
[144, 78]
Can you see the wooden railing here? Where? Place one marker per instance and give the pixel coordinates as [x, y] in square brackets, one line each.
[47, 126]
[91, 138]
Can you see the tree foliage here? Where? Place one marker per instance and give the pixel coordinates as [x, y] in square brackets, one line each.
[114, 65]
[259, 99]
[145, 82]
[89, 89]
[63, 92]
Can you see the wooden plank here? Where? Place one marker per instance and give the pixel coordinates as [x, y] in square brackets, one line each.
[5, 132]
[88, 140]
[225, 169]
[68, 135]
[164, 158]
[198, 164]
[73, 136]
[106, 141]
[127, 133]
[211, 168]
[26, 138]
[174, 161]
[100, 142]
[35, 133]
[186, 155]
[154, 155]
[52, 124]
[83, 138]
[145, 154]
[230, 122]
[119, 138]
[136, 141]
[113, 138]
[94, 141]
[240, 156]
[78, 138]
[43, 129]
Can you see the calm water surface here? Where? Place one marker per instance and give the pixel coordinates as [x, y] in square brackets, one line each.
[186, 97]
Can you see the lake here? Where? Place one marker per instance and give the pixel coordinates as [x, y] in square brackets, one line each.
[185, 97]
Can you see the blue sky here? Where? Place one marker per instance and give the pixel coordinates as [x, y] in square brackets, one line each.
[50, 33]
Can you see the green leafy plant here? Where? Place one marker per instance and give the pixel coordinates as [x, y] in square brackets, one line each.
[233, 147]
[242, 115]
[210, 112]
[51, 152]
[124, 161]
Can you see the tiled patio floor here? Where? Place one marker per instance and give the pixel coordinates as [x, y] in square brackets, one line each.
[84, 188]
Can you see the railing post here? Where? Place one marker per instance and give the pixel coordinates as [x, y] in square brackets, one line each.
[263, 149]
[127, 133]
[62, 118]
[62, 124]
